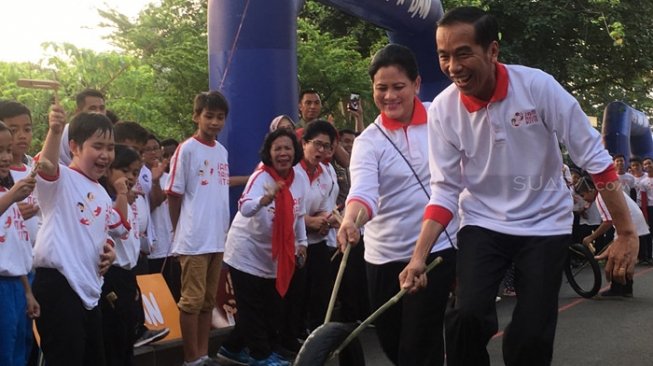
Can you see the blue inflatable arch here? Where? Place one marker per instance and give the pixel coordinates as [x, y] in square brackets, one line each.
[253, 60]
[626, 131]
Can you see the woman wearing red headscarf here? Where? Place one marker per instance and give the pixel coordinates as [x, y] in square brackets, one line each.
[265, 237]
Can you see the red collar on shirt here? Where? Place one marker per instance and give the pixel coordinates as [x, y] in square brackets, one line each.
[201, 140]
[473, 104]
[82, 173]
[419, 117]
[21, 168]
[316, 173]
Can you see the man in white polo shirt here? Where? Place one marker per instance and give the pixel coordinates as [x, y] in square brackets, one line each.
[494, 153]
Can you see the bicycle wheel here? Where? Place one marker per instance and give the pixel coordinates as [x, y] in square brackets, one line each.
[583, 271]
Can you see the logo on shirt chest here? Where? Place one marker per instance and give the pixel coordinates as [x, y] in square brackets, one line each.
[88, 210]
[525, 118]
[220, 171]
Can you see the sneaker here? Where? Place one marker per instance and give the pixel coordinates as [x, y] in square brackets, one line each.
[210, 362]
[272, 360]
[497, 299]
[612, 294]
[151, 335]
[240, 358]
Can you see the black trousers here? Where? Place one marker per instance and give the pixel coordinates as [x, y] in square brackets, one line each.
[259, 315]
[353, 293]
[119, 306]
[318, 284]
[411, 332]
[483, 258]
[70, 334]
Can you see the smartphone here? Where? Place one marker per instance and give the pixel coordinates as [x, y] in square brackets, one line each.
[354, 102]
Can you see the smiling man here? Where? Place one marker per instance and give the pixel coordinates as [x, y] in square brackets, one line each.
[496, 127]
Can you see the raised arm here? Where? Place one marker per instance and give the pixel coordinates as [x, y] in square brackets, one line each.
[50, 151]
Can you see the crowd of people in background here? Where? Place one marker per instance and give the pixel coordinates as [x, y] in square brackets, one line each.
[106, 200]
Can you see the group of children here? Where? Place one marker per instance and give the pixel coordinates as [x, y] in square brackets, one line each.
[83, 238]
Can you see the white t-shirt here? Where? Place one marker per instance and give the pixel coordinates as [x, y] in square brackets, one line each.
[127, 245]
[162, 226]
[331, 202]
[143, 187]
[317, 198]
[627, 182]
[34, 223]
[635, 214]
[645, 185]
[199, 174]
[15, 247]
[383, 182]
[592, 216]
[249, 242]
[78, 215]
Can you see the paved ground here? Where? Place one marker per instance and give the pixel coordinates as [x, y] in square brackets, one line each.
[590, 332]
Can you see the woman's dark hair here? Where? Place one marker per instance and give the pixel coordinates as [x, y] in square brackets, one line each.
[486, 26]
[394, 55]
[266, 156]
[320, 127]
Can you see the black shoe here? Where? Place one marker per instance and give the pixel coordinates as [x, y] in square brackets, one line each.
[151, 335]
[611, 294]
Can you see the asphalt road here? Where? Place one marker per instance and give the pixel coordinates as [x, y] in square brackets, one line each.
[590, 332]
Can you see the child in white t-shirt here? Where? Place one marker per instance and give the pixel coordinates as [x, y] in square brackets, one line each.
[16, 296]
[586, 188]
[198, 199]
[72, 252]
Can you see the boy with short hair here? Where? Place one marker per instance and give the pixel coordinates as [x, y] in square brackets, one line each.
[198, 199]
[586, 188]
[71, 252]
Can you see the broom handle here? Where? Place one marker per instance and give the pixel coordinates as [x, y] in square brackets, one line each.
[341, 271]
[393, 300]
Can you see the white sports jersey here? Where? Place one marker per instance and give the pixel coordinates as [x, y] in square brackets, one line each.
[331, 202]
[127, 245]
[78, 215]
[501, 161]
[34, 223]
[635, 214]
[199, 174]
[383, 182]
[249, 243]
[15, 247]
[317, 198]
[162, 226]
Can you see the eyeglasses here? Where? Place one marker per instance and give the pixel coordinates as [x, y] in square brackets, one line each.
[150, 149]
[321, 145]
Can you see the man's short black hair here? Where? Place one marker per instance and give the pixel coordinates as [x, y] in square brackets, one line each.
[80, 99]
[266, 156]
[346, 131]
[170, 142]
[152, 136]
[127, 130]
[636, 159]
[307, 91]
[112, 116]
[486, 27]
[617, 156]
[584, 185]
[12, 108]
[84, 125]
[211, 101]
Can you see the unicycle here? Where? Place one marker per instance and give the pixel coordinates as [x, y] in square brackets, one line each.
[583, 271]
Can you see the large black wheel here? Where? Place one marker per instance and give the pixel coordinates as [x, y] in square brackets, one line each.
[324, 340]
[583, 271]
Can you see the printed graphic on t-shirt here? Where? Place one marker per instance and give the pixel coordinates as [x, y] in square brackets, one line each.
[15, 219]
[89, 211]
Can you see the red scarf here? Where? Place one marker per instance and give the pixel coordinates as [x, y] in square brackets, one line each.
[283, 231]
[311, 175]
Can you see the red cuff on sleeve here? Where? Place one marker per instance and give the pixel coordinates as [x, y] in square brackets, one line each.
[367, 207]
[607, 176]
[171, 193]
[438, 214]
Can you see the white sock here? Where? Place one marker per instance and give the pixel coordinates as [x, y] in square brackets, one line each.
[194, 363]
